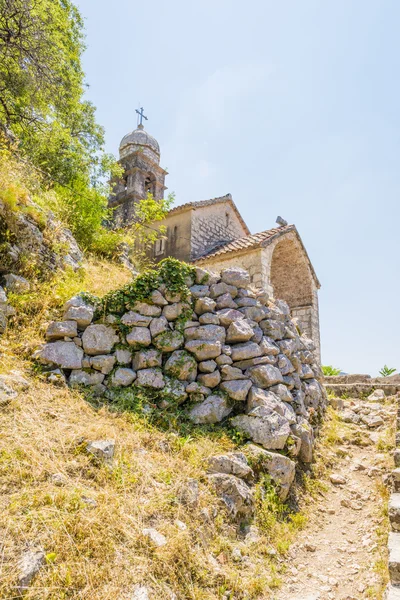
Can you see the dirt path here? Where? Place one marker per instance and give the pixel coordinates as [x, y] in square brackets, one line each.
[340, 554]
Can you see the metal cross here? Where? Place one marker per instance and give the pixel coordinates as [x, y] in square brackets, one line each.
[141, 115]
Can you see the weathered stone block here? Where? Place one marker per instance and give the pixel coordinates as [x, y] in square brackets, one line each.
[100, 339]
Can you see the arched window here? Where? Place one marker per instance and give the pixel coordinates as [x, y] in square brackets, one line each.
[150, 184]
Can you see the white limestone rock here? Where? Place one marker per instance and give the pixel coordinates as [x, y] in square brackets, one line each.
[7, 393]
[236, 389]
[231, 463]
[78, 378]
[270, 430]
[158, 325]
[123, 356]
[206, 333]
[225, 301]
[158, 299]
[207, 366]
[181, 365]
[377, 396]
[235, 494]
[174, 390]
[200, 291]
[140, 593]
[204, 305]
[264, 376]
[220, 289]
[236, 276]
[122, 377]
[139, 337]
[210, 380]
[156, 538]
[173, 311]
[100, 339]
[132, 318]
[229, 315]
[303, 430]
[280, 468]
[230, 373]
[239, 331]
[204, 350]
[63, 354]
[102, 449]
[245, 350]
[28, 567]
[273, 329]
[151, 378]
[209, 319]
[148, 310]
[78, 311]
[168, 341]
[146, 358]
[103, 362]
[212, 410]
[16, 284]
[58, 330]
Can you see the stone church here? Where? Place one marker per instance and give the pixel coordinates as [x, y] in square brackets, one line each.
[212, 233]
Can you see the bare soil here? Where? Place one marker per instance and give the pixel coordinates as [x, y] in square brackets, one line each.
[341, 553]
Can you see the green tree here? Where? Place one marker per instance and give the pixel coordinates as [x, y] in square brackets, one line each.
[41, 89]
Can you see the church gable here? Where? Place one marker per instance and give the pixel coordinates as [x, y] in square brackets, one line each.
[214, 224]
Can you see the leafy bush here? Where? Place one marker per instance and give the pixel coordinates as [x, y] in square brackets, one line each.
[386, 371]
[330, 371]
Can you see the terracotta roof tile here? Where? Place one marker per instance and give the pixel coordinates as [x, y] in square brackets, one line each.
[247, 242]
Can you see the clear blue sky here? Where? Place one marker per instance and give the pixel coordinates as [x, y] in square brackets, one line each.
[294, 108]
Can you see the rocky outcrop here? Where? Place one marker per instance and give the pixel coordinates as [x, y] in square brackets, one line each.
[35, 238]
[223, 350]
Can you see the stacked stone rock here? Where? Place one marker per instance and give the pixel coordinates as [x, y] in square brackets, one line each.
[226, 350]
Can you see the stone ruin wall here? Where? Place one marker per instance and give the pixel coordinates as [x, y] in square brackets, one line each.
[226, 351]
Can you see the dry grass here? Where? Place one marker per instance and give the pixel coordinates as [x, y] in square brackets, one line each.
[99, 552]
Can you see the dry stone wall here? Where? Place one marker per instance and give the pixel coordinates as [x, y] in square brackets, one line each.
[218, 347]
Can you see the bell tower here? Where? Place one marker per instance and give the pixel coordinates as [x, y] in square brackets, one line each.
[139, 155]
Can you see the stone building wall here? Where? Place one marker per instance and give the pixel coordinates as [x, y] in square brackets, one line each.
[177, 240]
[212, 226]
[251, 261]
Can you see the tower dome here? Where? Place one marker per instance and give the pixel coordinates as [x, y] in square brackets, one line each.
[140, 140]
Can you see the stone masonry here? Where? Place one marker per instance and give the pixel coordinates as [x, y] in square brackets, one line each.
[221, 348]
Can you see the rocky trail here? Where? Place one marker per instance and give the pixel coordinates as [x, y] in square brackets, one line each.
[341, 552]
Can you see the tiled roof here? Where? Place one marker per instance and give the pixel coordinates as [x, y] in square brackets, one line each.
[201, 203]
[257, 240]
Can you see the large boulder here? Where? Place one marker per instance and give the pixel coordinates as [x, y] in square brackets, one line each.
[99, 339]
[63, 354]
[280, 468]
[271, 430]
[212, 410]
